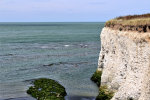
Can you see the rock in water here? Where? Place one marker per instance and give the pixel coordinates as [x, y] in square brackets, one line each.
[47, 89]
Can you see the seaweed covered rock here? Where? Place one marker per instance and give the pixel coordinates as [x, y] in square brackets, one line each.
[104, 93]
[47, 89]
[97, 77]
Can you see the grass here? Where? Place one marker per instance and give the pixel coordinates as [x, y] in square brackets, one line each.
[130, 20]
[104, 93]
[47, 89]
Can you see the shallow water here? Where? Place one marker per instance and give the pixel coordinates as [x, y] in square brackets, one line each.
[65, 52]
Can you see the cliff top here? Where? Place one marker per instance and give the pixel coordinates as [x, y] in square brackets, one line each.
[140, 23]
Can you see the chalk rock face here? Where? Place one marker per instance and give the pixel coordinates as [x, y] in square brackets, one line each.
[125, 63]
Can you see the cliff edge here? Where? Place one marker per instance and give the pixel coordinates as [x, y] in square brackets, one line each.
[125, 60]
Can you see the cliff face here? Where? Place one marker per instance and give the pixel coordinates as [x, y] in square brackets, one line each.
[125, 63]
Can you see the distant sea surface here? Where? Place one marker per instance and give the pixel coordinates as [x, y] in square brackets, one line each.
[65, 52]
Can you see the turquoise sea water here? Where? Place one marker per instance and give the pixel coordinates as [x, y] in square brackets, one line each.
[65, 52]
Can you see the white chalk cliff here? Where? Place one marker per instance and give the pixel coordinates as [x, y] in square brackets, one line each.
[125, 63]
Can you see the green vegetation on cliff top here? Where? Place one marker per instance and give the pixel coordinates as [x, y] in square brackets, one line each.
[47, 89]
[132, 20]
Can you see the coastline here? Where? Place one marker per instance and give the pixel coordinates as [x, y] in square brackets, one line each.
[124, 59]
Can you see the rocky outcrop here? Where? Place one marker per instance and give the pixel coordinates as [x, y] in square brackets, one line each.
[125, 63]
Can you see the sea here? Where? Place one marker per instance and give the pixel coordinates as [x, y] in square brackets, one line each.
[64, 51]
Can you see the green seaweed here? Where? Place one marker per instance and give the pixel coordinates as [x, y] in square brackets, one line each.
[47, 89]
[104, 93]
[97, 77]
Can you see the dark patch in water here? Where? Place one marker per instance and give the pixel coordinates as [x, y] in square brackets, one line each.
[57, 55]
[21, 98]
[7, 54]
[79, 98]
[70, 63]
[29, 81]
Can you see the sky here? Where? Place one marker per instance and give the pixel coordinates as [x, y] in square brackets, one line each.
[69, 10]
